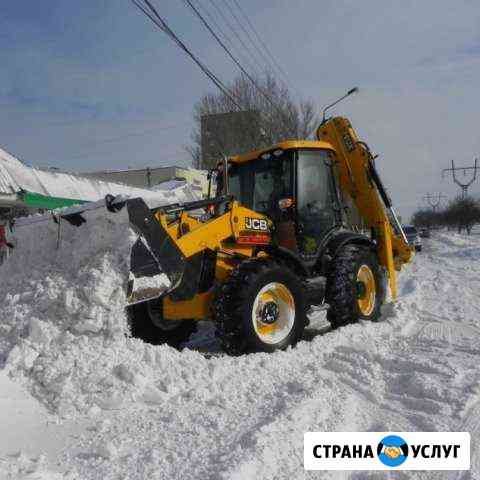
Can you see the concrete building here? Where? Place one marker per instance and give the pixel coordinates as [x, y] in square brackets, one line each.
[151, 177]
[227, 134]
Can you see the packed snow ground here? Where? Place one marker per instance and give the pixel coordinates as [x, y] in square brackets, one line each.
[80, 400]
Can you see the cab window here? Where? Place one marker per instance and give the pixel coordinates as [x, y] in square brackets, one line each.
[261, 183]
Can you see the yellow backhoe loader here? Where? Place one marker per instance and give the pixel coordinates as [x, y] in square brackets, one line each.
[298, 224]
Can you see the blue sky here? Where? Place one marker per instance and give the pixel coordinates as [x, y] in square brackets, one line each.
[91, 84]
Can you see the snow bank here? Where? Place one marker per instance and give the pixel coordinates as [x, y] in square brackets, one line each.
[63, 327]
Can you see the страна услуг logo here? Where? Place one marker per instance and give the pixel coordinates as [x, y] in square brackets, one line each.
[392, 450]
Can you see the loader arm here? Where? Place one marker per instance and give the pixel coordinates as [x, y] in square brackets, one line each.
[179, 249]
[360, 180]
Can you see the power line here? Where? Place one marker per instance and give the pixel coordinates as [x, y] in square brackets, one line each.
[262, 43]
[150, 11]
[237, 63]
[154, 16]
[239, 52]
[234, 59]
[239, 38]
[242, 26]
[215, 36]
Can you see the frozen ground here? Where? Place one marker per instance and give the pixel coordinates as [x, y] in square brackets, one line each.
[78, 400]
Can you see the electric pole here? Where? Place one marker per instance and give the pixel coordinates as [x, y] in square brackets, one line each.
[462, 185]
[434, 200]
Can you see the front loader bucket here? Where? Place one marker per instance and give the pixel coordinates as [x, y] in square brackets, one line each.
[156, 263]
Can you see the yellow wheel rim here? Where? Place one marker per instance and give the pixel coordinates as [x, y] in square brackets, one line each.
[367, 292]
[274, 298]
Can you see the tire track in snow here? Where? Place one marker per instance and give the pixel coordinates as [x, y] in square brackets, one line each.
[447, 326]
[276, 450]
[451, 333]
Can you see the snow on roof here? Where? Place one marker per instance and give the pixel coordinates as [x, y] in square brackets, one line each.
[16, 177]
[133, 170]
[7, 183]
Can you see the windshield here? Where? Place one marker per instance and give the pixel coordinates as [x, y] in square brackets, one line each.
[260, 184]
[410, 230]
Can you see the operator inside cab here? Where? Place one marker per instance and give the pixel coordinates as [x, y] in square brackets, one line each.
[220, 179]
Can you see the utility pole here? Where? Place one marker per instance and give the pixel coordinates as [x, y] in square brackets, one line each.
[463, 186]
[434, 200]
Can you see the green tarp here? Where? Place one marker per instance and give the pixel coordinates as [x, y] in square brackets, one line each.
[35, 200]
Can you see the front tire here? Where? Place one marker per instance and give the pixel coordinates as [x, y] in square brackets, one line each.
[355, 286]
[147, 323]
[261, 307]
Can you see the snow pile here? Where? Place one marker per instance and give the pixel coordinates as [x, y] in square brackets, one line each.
[63, 327]
[155, 412]
[244, 418]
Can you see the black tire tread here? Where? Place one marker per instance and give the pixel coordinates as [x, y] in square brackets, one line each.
[142, 327]
[229, 301]
[341, 291]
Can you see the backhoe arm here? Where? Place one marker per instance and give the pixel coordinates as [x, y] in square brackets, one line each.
[359, 179]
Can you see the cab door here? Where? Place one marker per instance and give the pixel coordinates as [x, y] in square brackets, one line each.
[317, 205]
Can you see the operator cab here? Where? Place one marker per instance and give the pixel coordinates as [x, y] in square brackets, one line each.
[294, 185]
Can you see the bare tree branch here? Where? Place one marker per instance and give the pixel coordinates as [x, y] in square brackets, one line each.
[270, 116]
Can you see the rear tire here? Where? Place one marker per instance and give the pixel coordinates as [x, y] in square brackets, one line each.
[147, 323]
[356, 286]
[261, 307]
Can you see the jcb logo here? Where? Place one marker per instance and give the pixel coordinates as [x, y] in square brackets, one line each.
[256, 224]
